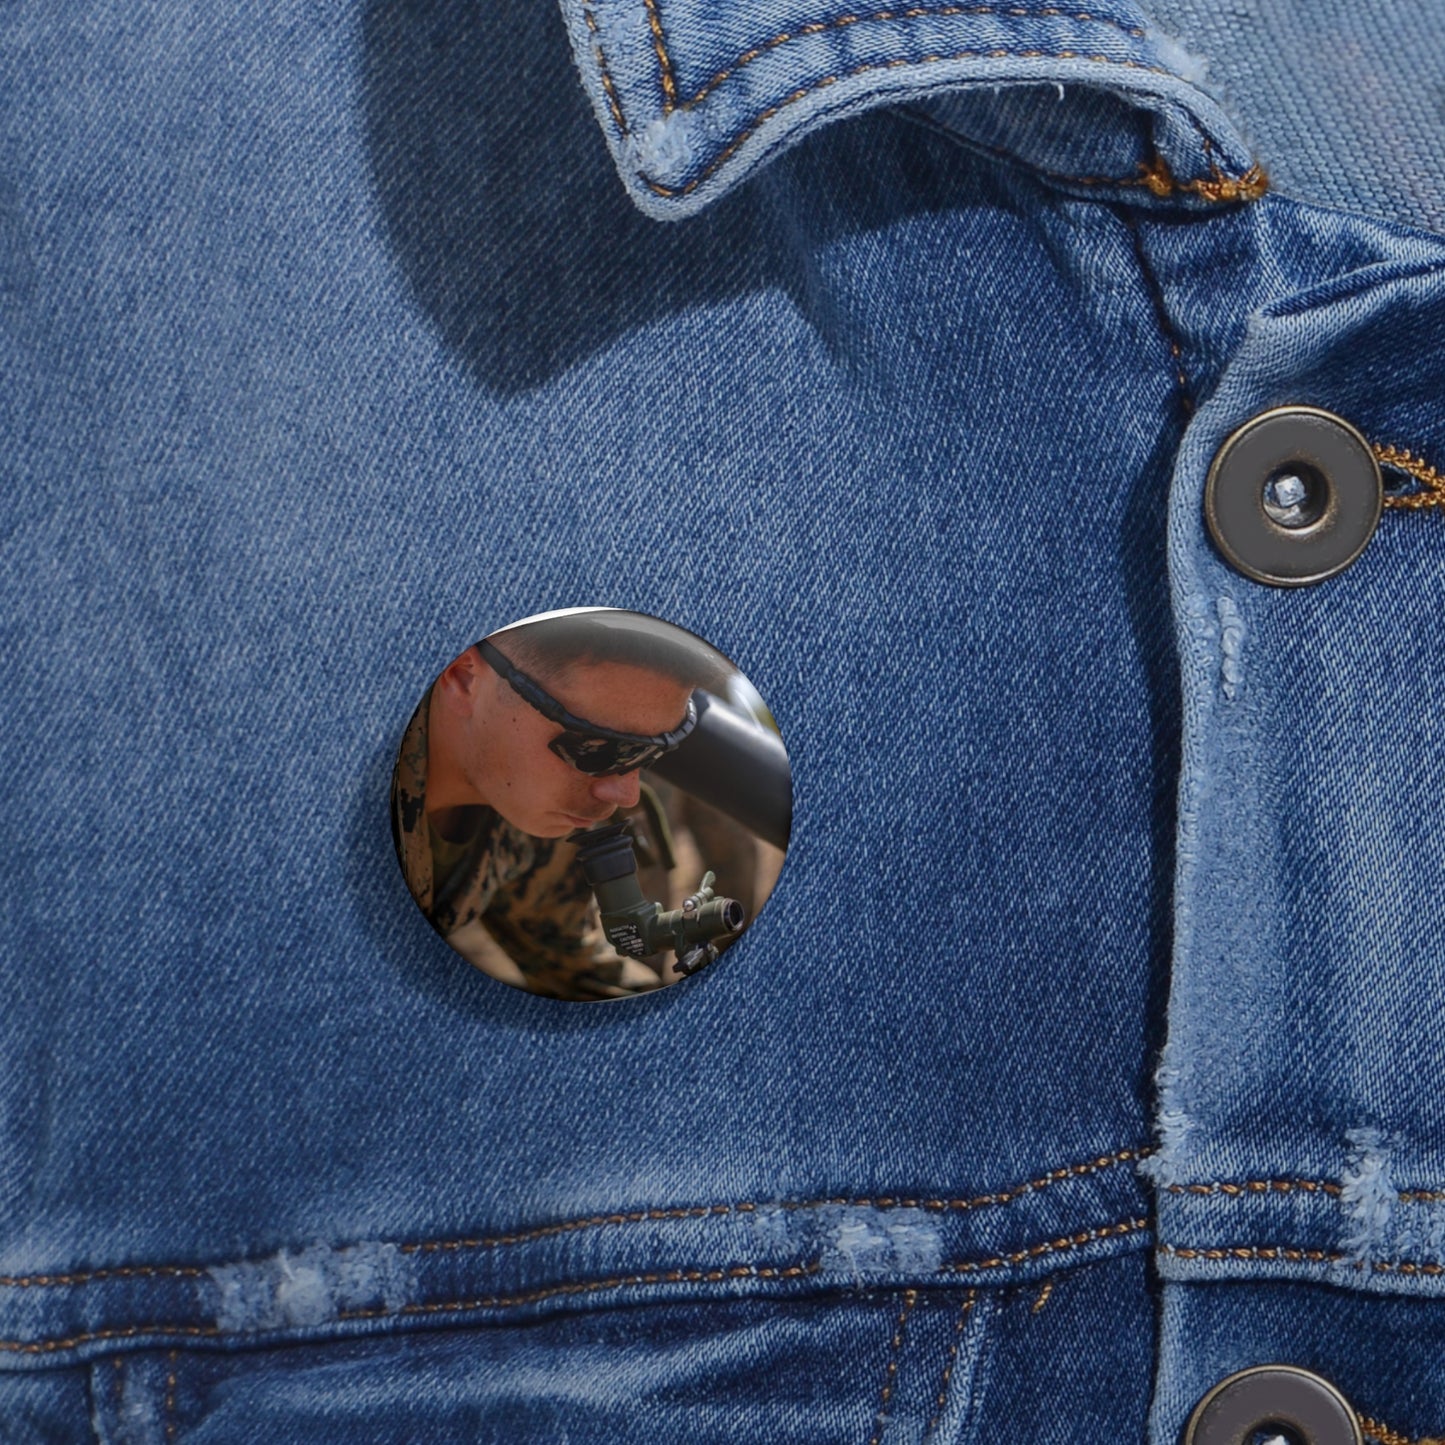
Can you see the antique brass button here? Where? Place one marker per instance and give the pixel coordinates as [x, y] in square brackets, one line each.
[1293, 496]
[1295, 1403]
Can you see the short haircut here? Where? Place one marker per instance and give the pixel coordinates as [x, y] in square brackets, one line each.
[546, 648]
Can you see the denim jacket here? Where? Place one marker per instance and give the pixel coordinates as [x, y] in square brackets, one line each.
[1091, 1046]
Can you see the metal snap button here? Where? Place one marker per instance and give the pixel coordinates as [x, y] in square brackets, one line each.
[1295, 1403]
[1293, 496]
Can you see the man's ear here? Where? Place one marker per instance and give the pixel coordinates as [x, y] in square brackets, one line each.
[461, 679]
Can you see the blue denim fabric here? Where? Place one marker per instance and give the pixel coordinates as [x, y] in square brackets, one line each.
[1341, 97]
[331, 343]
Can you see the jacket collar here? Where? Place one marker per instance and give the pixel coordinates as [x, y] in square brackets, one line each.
[695, 95]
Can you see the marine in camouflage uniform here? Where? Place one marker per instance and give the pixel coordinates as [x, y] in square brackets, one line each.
[500, 886]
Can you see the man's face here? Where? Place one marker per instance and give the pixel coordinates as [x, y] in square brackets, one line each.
[505, 754]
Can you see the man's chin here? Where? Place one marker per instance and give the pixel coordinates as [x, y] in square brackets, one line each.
[573, 824]
[553, 825]
[550, 824]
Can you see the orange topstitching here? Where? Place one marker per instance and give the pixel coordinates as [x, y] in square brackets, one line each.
[636, 1216]
[578, 1287]
[1386, 1436]
[1432, 496]
[1156, 175]
[1297, 1255]
[912, 12]
[1052, 1246]
[941, 1401]
[1237, 1188]
[910, 1298]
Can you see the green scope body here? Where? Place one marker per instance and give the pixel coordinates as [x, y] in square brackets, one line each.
[635, 926]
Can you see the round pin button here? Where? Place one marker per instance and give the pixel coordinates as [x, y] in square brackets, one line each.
[1282, 1399]
[1293, 496]
[590, 804]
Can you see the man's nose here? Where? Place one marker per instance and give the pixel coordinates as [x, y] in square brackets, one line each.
[621, 790]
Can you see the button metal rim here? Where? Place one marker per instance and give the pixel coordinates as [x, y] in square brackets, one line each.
[1340, 1424]
[1355, 503]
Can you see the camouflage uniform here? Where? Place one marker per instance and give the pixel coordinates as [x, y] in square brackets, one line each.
[526, 894]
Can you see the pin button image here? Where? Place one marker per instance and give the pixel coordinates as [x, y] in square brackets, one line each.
[591, 804]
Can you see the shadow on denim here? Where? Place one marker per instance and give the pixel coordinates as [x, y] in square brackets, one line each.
[507, 217]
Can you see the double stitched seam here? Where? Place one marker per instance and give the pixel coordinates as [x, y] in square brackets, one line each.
[591, 1286]
[635, 1216]
[998, 1198]
[1386, 1436]
[941, 1401]
[585, 1287]
[890, 1375]
[127, 1332]
[1433, 495]
[912, 12]
[671, 1276]
[1156, 175]
[1052, 1246]
[1296, 1255]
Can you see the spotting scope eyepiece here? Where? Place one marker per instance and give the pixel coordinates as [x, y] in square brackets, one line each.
[638, 928]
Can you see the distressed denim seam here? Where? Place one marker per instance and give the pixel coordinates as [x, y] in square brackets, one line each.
[641, 1216]
[577, 1287]
[1219, 188]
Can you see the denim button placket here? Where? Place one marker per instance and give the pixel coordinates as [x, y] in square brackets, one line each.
[1306, 1408]
[1293, 496]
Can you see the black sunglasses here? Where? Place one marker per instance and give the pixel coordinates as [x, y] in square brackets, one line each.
[589, 747]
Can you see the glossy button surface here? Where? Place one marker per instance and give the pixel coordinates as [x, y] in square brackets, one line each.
[590, 804]
[1284, 1398]
[1293, 496]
